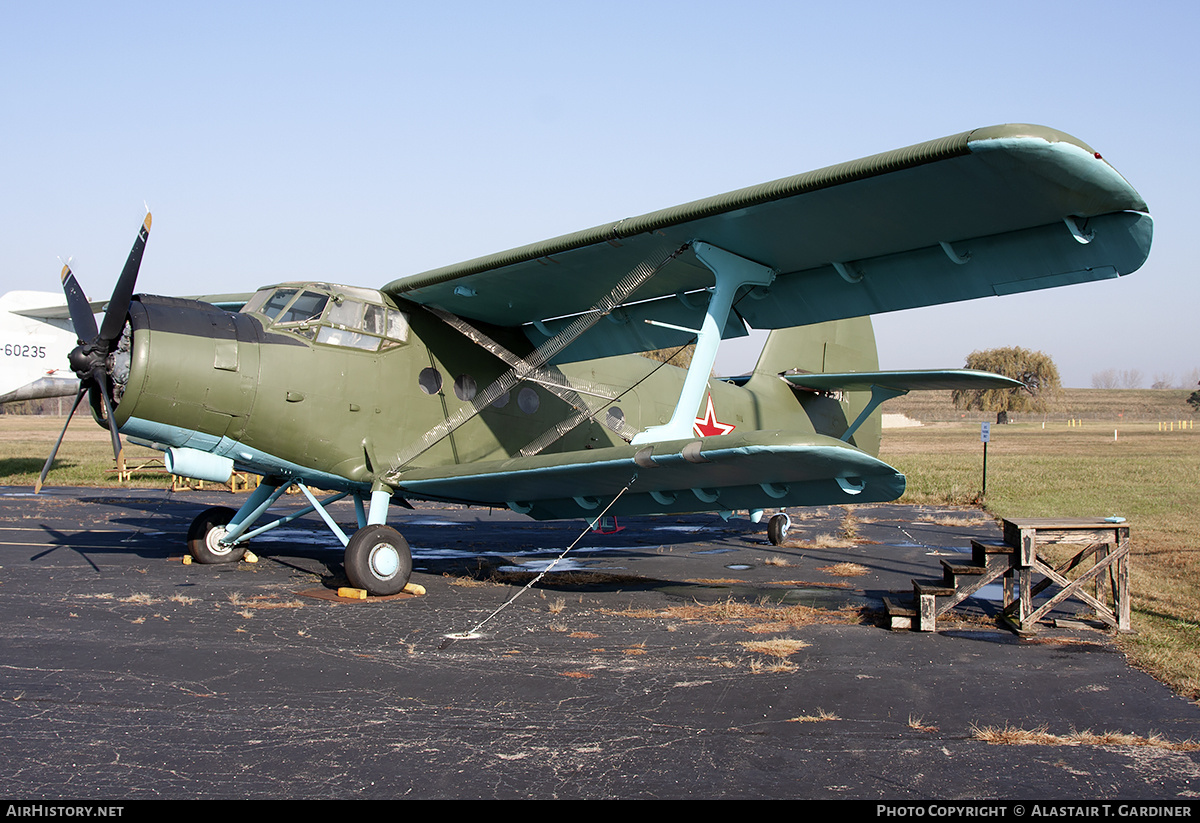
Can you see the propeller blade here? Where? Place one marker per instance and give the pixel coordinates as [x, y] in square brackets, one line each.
[37, 488]
[82, 319]
[118, 453]
[118, 305]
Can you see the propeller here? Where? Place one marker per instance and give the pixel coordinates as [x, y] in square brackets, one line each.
[89, 360]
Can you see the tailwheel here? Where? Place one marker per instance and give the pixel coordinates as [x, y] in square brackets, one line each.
[378, 560]
[205, 535]
[777, 529]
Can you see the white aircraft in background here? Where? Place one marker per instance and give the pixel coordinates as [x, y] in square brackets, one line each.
[35, 339]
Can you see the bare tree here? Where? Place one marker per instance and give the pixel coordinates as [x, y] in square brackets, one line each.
[1131, 378]
[1106, 379]
[1163, 380]
[1190, 379]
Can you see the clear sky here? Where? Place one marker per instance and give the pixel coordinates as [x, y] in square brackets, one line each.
[360, 141]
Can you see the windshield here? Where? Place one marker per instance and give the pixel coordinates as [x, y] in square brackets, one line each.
[342, 316]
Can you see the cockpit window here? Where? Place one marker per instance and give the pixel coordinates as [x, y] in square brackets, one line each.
[343, 316]
[278, 300]
[308, 306]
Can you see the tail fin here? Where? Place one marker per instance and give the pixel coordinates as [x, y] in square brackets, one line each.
[834, 347]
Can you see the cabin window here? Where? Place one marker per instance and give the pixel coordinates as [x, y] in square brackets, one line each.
[528, 400]
[615, 418]
[430, 380]
[360, 325]
[465, 387]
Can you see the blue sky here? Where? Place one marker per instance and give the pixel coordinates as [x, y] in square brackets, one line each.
[356, 142]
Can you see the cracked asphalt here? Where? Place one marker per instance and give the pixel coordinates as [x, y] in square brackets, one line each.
[679, 657]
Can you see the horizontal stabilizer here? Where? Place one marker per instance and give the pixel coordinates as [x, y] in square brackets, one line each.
[227, 302]
[904, 381]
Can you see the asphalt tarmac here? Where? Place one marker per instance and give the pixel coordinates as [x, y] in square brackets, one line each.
[636, 669]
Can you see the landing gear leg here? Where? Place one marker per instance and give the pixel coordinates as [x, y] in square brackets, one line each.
[777, 528]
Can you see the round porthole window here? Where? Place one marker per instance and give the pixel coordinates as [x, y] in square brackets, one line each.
[430, 380]
[465, 388]
[614, 418]
[528, 400]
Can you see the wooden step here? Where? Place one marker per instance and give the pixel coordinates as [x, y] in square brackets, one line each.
[900, 615]
[981, 549]
[952, 571]
[934, 588]
[927, 592]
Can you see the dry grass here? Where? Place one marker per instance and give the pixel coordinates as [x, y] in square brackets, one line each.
[557, 605]
[828, 541]
[140, 599]
[780, 647]
[466, 582]
[849, 526]
[821, 716]
[758, 615]
[777, 666]
[265, 601]
[955, 520]
[776, 560]
[846, 569]
[918, 724]
[816, 584]
[1011, 736]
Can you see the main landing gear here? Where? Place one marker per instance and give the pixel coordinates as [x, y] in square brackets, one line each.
[206, 534]
[378, 559]
[777, 528]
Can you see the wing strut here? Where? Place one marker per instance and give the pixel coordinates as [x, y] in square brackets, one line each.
[732, 272]
[879, 395]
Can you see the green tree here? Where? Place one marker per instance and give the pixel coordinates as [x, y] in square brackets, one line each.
[1034, 369]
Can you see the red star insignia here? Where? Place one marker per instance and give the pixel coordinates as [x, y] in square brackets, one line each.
[708, 426]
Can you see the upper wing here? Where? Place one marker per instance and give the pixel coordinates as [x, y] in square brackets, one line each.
[990, 211]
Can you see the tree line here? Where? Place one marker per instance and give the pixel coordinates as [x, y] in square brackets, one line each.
[1134, 379]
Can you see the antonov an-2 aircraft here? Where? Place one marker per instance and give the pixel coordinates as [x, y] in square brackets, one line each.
[515, 380]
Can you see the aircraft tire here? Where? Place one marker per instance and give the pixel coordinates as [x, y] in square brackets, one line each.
[378, 560]
[204, 537]
[777, 529]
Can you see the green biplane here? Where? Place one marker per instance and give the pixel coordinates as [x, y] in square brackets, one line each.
[516, 379]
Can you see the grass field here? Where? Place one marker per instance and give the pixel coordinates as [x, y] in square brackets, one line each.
[85, 455]
[1148, 476]
[1114, 406]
